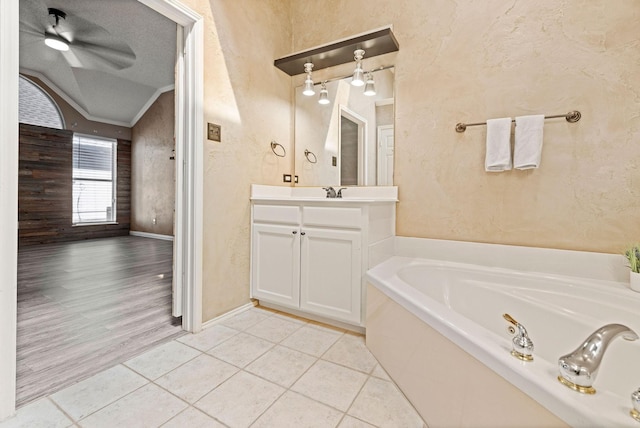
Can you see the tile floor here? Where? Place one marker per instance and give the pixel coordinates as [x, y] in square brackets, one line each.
[259, 368]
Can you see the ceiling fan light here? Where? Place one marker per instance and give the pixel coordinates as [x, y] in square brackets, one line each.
[56, 42]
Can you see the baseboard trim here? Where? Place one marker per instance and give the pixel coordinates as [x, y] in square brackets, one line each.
[313, 317]
[228, 315]
[151, 235]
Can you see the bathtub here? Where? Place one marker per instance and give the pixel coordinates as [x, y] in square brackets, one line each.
[436, 326]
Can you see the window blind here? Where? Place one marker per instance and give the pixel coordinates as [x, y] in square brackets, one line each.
[94, 171]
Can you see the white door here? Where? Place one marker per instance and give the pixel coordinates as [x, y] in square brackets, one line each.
[275, 264]
[330, 273]
[385, 155]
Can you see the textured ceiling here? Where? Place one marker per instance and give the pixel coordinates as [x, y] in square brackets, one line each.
[122, 55]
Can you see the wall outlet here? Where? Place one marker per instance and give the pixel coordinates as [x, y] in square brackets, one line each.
[213, 132]
[286, 178]
[154, 221]
[334, 161]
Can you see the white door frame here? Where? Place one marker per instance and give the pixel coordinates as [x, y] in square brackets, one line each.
[9, 67]
[363, 151]
[187, 269]
[189, 177]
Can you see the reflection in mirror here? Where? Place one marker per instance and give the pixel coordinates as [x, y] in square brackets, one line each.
[351, 136]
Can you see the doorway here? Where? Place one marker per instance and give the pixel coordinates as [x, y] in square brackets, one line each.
[189, 178]
[352, 148]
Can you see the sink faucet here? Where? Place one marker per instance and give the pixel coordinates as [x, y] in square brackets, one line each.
[578, 369]
[331, 192]
[339, 195]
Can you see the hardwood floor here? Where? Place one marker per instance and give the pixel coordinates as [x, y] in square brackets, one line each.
[85, 306]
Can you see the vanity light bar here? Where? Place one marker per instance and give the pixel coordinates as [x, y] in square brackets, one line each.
[378, 42]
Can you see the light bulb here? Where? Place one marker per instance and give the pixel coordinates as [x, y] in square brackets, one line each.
[308, 83]
[324, 95]
[308, 88]
[370, 86]
[358, 76]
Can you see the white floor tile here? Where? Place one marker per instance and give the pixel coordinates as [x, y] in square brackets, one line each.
[161, 360]
[149, 406]
[199, 376]
[39, 414]
[246, 319]
[380, 373]
[351, 351]
[193, 418]
[295, 410]
[331, 384]
[240, 400]
[274, 328]
[241, 349]
[281, 365]
[381, 404]
[351, 422]
[311, 340]
[87, 396]
[209, 337]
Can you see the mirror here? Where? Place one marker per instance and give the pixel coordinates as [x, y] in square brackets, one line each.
[349, 141]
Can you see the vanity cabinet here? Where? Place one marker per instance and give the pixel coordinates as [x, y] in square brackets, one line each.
[309, 256]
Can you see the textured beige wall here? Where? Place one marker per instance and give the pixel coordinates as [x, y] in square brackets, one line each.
[152, 172]
[469, 61]
[250, 99]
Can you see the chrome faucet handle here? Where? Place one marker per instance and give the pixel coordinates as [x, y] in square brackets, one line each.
[522, 344]
[339, 194]
[331, 192]
[635, 405]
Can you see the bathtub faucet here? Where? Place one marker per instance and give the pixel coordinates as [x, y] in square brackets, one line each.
[522, 344]
[578, 369]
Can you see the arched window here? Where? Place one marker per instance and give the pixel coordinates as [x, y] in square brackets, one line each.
[36, 107]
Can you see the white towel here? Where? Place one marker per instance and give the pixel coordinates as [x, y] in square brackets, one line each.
[528, 141]
[498, 156]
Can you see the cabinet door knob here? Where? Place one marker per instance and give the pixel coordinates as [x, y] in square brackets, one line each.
[295, 232]
[303, 233]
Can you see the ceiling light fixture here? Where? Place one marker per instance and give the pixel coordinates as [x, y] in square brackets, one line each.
[324, 94]
[370, 86]
[308, 83]
[54, 40]
[358, 73]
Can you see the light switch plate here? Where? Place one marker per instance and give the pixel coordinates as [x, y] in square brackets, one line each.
[213, 132]
[286, 178]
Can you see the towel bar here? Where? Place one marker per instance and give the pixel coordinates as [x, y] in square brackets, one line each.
[571, 117]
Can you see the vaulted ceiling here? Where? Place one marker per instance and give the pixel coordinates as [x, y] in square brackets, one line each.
[121, 56]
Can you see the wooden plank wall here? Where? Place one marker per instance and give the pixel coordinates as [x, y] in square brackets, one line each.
[45, 189]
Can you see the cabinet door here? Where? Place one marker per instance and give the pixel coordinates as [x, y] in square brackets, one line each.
[275, 264]
[331, 272]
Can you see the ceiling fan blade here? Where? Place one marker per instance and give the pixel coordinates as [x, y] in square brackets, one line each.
[29, 28]
[94, 56]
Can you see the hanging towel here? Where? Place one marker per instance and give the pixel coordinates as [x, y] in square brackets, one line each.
[528, 144]
[498, 156]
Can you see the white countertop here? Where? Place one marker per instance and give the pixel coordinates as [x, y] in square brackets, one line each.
[356, 194]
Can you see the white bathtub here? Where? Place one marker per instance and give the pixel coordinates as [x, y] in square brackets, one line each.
[465, 302]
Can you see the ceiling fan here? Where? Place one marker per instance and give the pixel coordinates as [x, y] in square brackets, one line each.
[82, 43]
